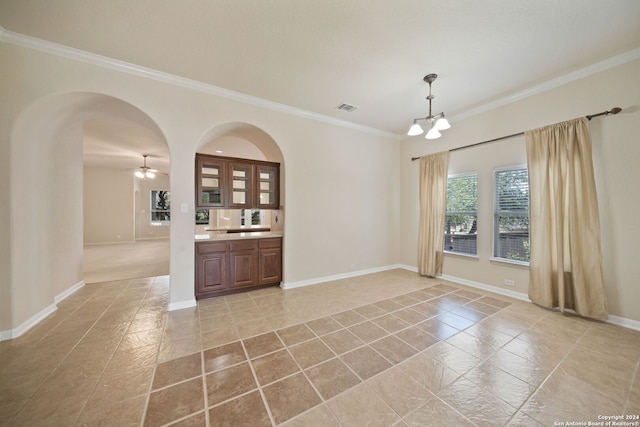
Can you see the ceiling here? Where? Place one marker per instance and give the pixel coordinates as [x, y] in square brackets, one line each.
[313, 55]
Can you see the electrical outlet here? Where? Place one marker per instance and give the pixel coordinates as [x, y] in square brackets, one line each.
[352, 266]
[509, 282]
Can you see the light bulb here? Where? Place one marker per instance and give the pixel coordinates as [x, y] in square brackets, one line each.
[442, 124]
[139, 174]
[415, 129]
[152, 175]
[433, 134]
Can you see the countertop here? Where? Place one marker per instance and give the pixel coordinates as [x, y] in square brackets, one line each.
[204, 237]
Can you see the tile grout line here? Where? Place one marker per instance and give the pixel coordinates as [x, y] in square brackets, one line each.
[258, 385]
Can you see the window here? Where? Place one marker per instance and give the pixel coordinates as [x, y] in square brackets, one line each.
[511, 217]
[160, 207]
[460, 234]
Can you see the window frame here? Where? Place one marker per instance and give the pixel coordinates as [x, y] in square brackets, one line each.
[152, 210]
[496, 213]
[474, 213]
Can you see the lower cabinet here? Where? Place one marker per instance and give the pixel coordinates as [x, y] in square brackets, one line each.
[230, 266]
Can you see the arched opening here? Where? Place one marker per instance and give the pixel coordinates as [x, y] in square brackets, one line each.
[246, 141]
[47, 193]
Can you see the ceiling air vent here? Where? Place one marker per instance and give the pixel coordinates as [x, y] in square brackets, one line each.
[346, 107]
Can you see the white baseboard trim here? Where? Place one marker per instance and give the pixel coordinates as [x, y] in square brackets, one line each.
[614, 320]
[63, 295]
[624, 322]
[308, 282]
[182, 304]
[478, 285]
[41, 315]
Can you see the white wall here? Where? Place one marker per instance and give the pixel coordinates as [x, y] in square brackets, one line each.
[616, 153]
[342, 186]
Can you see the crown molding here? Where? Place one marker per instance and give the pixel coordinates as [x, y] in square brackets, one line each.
[45, 46]
[587, 71]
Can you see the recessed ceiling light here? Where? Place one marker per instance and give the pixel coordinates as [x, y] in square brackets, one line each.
[219, 151]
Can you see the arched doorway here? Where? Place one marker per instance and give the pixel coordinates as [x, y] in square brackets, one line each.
[46, 188]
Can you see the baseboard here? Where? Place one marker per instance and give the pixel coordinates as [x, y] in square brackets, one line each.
[41, 315]
[317, 280]
[614, 320]
[478, 285]
[182, 304]
[63, 295]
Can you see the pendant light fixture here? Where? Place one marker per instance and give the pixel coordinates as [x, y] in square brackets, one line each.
[435, 123]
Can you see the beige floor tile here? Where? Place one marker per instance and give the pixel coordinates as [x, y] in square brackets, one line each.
[360, 406]
[342, 341]
[262, 344]
[331, 378]
[436, 413]
[247, 410]
[482, 408]
[295, 334]
[290, 397]
[368, 331]
[348, 318]
[223, 356]
[229, 383]
[311, 353]
[428, 372]
[92, 361]
[109, 413]
[393, 349]
[399, 391]
[365, 362]
[318, 416]
[274, 366]
[177, 370]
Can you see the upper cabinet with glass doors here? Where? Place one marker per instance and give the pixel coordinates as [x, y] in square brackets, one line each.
[225, 182]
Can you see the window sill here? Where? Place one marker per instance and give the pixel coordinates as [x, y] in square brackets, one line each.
[462, 255]
[510, 263]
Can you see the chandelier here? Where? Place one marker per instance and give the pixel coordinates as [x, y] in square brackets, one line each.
[435, 122]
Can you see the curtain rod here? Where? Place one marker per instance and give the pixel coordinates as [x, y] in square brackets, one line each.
[614, 110]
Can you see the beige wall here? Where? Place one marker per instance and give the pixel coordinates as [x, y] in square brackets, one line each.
[108, 206]
[616, 152]
[336, 178]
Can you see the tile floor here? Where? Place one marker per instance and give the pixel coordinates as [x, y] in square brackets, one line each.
[387, 349]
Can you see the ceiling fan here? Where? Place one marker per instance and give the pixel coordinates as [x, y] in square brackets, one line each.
[146, 172]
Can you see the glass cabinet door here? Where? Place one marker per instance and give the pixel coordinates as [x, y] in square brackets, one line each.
[267, 187]
[210, 183]
[240, 178]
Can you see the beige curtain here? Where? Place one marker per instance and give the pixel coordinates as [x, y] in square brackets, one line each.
[433, 200]
[565, 269]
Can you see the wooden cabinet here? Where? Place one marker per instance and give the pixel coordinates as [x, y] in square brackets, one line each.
[210, 182]
[237, 265]
[227, 182]
[211, 267]
[270, 260]
[243, 263]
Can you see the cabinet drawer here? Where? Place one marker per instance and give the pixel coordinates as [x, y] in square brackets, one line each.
[243, 245]
[208, 247]
[270, 243]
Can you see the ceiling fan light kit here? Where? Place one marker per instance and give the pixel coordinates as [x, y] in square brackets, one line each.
[145, 171]
[435, 122]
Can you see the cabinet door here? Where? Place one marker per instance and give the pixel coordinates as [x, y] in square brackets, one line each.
[267, 184]
[270, 261]
[240, 185]
[210, 182]
[243, 263]
[211, 273]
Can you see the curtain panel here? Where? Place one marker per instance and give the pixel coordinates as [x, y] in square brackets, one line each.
[433, 200]
[565, 269]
